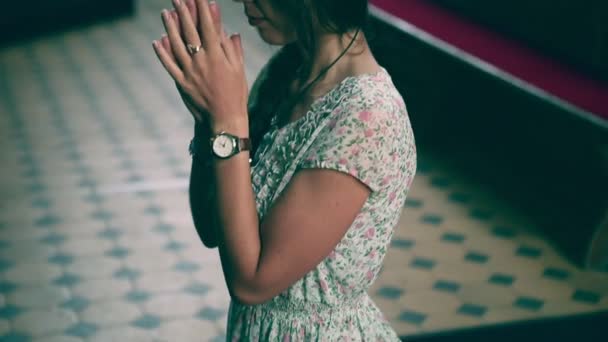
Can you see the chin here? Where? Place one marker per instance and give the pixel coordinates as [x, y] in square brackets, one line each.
[272, 38]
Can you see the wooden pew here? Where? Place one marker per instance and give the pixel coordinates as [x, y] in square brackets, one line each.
[21, 20]
[529, 126]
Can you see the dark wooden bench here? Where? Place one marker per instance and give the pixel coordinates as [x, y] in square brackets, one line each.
[576, 327]
[531, 126]
[21, 20]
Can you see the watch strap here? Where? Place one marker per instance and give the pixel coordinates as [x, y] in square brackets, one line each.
[244, 144]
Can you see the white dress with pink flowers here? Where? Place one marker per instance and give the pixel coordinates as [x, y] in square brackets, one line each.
[360, 127]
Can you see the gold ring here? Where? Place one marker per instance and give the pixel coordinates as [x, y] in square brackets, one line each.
[193, 49]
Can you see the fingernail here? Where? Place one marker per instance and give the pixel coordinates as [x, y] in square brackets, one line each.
[165, 13]
[155, 43]
[177, 3]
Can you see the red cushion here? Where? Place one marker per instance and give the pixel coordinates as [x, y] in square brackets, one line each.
[511, 57]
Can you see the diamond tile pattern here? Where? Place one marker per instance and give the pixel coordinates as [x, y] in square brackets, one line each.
[423, 263]
[529, 252]
[82, 329]
[16, 337]
[529, 303]
[453, 237]
[210, 313]
[7, 287]
[501, 279]
[147, 322]
[402, 243]
[95, 177]
[447, 286]
[61, 259]
[137, 296]
[390, 292]
[476, 257]
[9, 311]
[586, 296]
[198, 289]
[472, 310]
[556, 273]
[413, 317]
[67, 279]
[432, 219]
[76, 304]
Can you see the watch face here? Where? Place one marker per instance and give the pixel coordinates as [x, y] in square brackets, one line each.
[223, 146]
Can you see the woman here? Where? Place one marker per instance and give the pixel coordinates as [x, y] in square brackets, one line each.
[302, 231]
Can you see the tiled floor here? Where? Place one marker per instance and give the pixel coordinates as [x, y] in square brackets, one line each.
[96, 240]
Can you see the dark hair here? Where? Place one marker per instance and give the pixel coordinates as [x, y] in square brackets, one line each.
[293, 60]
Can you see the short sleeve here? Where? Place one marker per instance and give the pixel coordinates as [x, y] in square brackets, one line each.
[358, 140]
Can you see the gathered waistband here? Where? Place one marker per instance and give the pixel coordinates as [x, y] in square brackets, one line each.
[309, 321]
[283, 306]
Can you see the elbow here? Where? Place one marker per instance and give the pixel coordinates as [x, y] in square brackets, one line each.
[249, 298]
[208, 239]
[208, 243]
[250, 293]
[205, 231]
[206, 236]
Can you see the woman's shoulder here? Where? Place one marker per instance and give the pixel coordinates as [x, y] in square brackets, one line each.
[374, 93]
[378, 89]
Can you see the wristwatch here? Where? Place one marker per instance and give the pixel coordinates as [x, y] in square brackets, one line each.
[225, 145]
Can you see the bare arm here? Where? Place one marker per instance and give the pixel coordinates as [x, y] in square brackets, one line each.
[260, 262]
[202, 188]
[202, 180]
[262, 259]
[202, 196]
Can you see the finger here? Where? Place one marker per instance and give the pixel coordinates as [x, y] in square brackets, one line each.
[238, 46]
[209, 37]
[229, 50]
[193, 15]
[215, 14]
[177, 44]
[189, 30]
[217, 17]
[191, 4]
[175, 17]
[172, 68]
[164, 40]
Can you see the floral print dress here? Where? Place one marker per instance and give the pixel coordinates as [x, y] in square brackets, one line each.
[361, 128]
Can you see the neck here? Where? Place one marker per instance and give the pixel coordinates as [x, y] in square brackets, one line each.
[329, 48]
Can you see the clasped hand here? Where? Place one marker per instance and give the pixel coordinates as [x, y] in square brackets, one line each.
[211, 81]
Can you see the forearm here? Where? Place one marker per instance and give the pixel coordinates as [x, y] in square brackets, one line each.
[202, 196]
[202, 203]
[239, 238]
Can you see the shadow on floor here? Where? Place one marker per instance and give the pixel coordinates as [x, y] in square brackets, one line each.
[585, 327]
